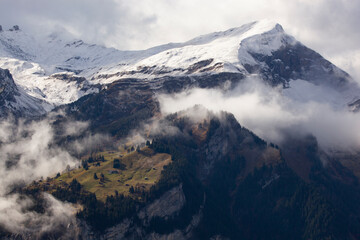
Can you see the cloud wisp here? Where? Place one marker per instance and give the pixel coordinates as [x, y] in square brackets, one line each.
[272, 115]
[28, 152]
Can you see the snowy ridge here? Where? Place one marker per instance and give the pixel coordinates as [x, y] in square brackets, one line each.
[34, 61]
[31, 77]
[54, 54]
[59, 70]
[228, 51]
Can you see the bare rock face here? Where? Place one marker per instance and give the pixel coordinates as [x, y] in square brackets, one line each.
[1, 28]
[8, 88]
[119, 231]
[15, 28]
[354, 106]
[14, 100]
[298, 62]
[166, 206]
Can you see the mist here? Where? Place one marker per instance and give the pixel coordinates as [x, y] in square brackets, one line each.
[28, 152]
[272, 115]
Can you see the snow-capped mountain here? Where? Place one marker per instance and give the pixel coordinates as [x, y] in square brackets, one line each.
[109, 103]
[33, 63]
[16, 101]
[227, 51]
[61, 70]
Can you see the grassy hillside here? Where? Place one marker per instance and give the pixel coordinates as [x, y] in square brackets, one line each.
[139, 169]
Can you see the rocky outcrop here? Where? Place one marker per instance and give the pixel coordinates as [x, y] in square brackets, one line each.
[298, 62]
[15, 28]
[167, 206]
[15, 101]
[354, 106]
[8, 88]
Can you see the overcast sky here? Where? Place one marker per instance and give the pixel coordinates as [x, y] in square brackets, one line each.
[328, 26]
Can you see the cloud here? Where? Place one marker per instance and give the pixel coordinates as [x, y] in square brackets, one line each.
[16, 219]
[31, 147]
[272, 115]
[89, 142]
[28, 151]
[111, 22]
[152, 128]
[75, 128]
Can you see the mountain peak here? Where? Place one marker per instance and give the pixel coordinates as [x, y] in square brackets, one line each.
[249, 29]
[268, 25]
[279, 28]
[262, 26]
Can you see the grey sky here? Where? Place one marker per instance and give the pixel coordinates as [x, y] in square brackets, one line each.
[328, 26]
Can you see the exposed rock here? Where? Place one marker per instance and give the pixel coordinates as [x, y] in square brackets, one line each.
[186, 233]
[176, 235]
[68, 77]
[119, 231]
[199, 65]
[354, 106]
[218, 237]
[166, 206]
[15, 28]
[8, 88]
[1, 28]
[14, 100]
[297, 62]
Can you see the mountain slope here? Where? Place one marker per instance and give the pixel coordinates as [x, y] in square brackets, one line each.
[236, 186]
[222, 181]
[219, 51]
[14, 100]
[261, 49]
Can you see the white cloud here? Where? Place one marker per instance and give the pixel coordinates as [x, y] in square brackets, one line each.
[15, 218]
[33, 146]
[28, 151]
[271, 115]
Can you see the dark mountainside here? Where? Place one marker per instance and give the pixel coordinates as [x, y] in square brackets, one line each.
[226, 183]
[222, 182]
